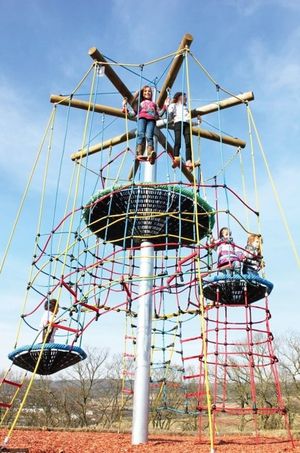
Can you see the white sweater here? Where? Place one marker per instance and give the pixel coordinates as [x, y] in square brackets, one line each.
[45, 321]
[179, 112]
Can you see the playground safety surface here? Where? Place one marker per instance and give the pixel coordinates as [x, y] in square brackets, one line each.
[42, 441]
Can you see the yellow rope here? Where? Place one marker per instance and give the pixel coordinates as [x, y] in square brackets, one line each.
[127, 147]
[50, 126]
[255, 182]
[147, 63]
[226, 164]
[26, 190]
[60, 289]
[70, 191]
[253, 162]
[203, 69]
[200, 163]
[242, 168]
[77, 86]
[42, 202]
[275, 192]
[198, 267]
[12, 427]
[76, 177]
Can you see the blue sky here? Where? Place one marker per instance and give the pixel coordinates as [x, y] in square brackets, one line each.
[246, 45]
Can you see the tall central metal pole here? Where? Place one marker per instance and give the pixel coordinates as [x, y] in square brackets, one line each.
[144, 330]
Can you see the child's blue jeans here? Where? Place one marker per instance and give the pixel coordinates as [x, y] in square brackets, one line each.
[145, 128]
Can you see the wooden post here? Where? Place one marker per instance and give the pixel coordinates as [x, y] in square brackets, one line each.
[218, 138]
[84, 105]
[224, 104]
[110, 73]
[174, 69]
[104, 145]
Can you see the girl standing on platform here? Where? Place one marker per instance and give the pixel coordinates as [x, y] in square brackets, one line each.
[252, 255]
[147, 115]
[180, 115]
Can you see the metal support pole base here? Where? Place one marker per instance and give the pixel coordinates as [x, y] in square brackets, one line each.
[142, 371]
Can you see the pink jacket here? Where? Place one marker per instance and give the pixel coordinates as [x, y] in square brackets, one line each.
[148, 110]
[226, 253]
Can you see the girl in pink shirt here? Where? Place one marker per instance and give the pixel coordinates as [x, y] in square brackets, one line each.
[147, 115]
[227, 254]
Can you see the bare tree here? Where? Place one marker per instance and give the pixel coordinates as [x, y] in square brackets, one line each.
[83, 378]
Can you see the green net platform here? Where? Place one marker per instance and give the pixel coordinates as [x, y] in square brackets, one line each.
[164, 215]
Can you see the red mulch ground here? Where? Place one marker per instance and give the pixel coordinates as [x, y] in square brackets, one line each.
[87, 442]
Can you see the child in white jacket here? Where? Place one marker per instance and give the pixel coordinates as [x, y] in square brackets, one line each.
[180, 115]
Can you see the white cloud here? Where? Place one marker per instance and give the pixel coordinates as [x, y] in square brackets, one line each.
[248, 8]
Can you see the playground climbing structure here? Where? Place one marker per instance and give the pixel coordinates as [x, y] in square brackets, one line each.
[121, 238]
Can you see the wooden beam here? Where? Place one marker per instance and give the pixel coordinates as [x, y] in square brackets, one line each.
[100, 108]
[162, 140]
[111, 75]
[224, 104]
[218, 138]
[174, 69]
[104, 145]
[84, 105]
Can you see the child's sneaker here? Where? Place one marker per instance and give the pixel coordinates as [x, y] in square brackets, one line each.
[152, 157]
[189, 165]
[176, 162]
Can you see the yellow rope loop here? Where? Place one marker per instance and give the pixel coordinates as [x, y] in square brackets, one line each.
[198, 267]
[275, 192]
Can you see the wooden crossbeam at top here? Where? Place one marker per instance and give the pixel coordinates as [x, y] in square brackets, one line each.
[170, 78]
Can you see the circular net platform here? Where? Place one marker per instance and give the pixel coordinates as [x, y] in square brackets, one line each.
[164, 215]
[236, 289]
[55, 357]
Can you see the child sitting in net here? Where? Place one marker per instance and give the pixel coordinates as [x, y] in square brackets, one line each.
[51, 309]
[229, 260]
[252, 255]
